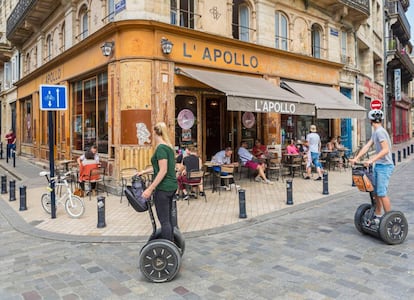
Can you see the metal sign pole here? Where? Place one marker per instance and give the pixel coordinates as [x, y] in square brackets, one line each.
[52, 164]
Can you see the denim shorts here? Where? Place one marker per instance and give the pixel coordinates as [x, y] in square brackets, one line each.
[382, 174]
[315, 159]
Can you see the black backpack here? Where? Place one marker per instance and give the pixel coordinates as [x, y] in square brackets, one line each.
[134, 192]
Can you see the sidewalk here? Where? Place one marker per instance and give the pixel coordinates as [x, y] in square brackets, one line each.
[219, 213]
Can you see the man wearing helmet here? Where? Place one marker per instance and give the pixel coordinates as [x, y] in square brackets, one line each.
[384, 165]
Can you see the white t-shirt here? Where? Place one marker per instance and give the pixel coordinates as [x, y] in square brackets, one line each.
[314, 142]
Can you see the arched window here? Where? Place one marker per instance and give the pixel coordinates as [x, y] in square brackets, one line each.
[84, 24]
[281, 31]
[63, 38]
[241, 20]
[316, 41]
[48, 48]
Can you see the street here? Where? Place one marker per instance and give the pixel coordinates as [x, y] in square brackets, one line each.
[308, 251]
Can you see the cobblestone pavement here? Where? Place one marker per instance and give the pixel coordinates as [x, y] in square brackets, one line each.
[307, 251]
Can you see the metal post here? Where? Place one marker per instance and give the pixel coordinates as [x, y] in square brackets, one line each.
[393, 158]
[325, 183]
[404, 154]
[173, 213]
[14, 157]
[23, 198]
[408, 150]
[3, 184]
[289, 189]
[12, 188]
[101, 211]
[1, 150]
[242, 204]
[399, 155]
[412, 148]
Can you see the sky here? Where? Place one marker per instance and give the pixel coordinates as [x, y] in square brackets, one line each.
[410, 16]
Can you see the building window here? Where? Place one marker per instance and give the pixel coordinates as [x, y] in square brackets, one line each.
[27, 133]
[281, 31]
[63, 38]
[48, 48]
[15, 68]
[7, 75]
[241, 20]
[90, 113]
[182, 13]
[344, 54]
[111, 10]
[316, 41]
[27, 63]
[84, 25]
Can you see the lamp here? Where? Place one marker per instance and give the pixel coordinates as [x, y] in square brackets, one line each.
[166, 45]
[107, 48]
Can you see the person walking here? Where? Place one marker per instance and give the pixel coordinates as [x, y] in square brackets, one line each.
[314, 142]
[164, 184]
[384, 165]
[11, 143]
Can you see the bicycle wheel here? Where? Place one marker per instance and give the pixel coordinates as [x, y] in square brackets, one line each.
[46, 203]
[74, 207]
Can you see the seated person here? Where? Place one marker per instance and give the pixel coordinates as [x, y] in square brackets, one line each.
[190, 162]
[95, 155]
[340, 146]
[223, 158]
[291, 148]
[259, 150]
[248, 160]
[88, 164]
[330, 146]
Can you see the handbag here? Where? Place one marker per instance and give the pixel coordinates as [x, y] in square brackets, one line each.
[134, 192]
[79, 192]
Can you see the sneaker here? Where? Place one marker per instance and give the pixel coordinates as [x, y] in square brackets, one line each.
[186, 196]
[258, 179]
[202, 194]
[236, 186]
[306, 177]
[225, 187]
[268, 181]
[176, 196]
[319, 178]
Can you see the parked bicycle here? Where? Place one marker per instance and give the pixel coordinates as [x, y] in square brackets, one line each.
[74, 205]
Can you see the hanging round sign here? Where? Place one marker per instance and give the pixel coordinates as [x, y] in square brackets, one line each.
[185, 119]
[248, 119]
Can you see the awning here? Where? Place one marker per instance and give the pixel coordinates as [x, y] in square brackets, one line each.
[330, 103]
[251, 93]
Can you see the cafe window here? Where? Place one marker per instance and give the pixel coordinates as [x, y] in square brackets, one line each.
[186, 121]
[27, 120]
[90, 113]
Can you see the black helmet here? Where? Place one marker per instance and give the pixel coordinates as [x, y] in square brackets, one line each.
[376, 115]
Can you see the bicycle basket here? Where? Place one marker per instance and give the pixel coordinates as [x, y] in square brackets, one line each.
[134, 195]
[363, 180]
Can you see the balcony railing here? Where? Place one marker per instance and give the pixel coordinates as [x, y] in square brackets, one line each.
[395, 8]
[396, 49]
[17, 15]
[362, 5]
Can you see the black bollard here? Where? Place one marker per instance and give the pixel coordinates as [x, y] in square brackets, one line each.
[1, 150]
[289, 192]
[23, 198]
[393, 158]
[242, 204]
[404, 154]
[12, 188]
[408, 151]
[412, 149]
[101, 212]
[399, 155]
[14, 158]
[325, 183]
[3, 184]
[174, 213]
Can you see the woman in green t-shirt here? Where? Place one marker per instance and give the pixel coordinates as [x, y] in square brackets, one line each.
[165, 181]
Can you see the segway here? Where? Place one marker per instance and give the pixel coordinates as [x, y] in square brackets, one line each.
[392, 227]
[159, 259]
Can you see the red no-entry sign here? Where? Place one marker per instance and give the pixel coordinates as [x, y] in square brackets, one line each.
[376, 104]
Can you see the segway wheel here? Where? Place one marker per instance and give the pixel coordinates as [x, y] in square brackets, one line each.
[160, 260]
[178, 239]
[359, 216]
[393, 227]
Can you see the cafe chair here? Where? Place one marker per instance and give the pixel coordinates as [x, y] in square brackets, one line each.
[96, 175]
[226, 175]
[194, 180]
[274, 169]
[242, 167]
[126, 177]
